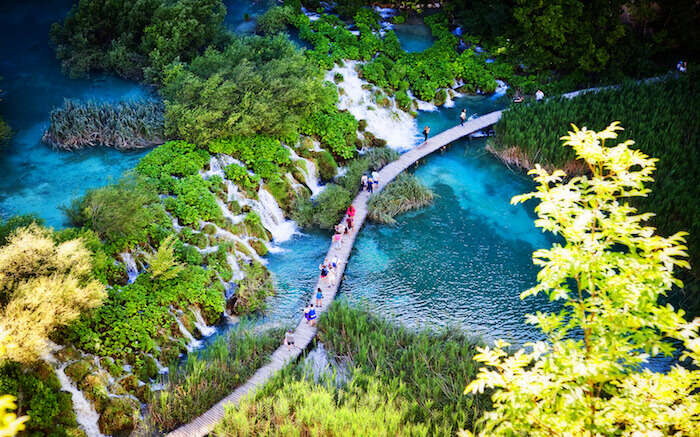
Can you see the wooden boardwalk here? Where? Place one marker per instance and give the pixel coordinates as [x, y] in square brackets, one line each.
[304, 333]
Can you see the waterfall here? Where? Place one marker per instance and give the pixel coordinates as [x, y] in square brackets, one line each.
[272, 217]
[199, 322]
[132, 270]
[395, 126]
[235, 268]
[86, 416]
[308, 169]
[500, 89]
[449, 103]
[192, 343]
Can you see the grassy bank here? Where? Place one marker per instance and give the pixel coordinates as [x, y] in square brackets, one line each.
[404, 194]
[662, 119]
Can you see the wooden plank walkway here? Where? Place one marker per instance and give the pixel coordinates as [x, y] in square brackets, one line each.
[304, 333]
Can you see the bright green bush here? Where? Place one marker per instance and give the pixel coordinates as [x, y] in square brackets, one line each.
[364, 407]
[194, 201]
[336, 130]
[327, 167]
[241, 177]
[262, 155]
[253, 290]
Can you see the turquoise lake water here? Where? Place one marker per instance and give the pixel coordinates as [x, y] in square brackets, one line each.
[463, 261]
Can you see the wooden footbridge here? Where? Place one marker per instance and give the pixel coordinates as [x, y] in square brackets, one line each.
[304, 333]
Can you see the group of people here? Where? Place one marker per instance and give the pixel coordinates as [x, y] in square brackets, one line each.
[518, 98]
[369, 183]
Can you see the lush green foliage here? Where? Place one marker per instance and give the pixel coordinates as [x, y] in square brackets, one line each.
[241, 177]
[163, 265]
[137, 317]
[122, 214]
[327, 167]
[43, 286]
[325, 211]
[203, 380]
[336, 130]
[610, 271]
[364, 407]
[193, 201]
[253, 289]
[174, 158]
[405, 193]
[135, 39]
[123, 125]
[274, 20]
[38, 393]
[661, 117]
[262, 155]
[426, 368]
[253, 86]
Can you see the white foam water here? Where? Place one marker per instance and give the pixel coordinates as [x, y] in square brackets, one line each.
[85, 414]
[272, 217]
[310, 172]
[500, 89]
[199, 322]
[132, 270]
[235, 268]
[395, 126]
[192, 343]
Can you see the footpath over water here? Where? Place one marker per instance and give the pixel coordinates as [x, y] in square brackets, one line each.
[304, 333]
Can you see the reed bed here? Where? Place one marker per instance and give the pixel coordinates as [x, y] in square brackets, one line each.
[204, 379]
[123, 125]
[427, 368]
[404, 194]
[661, 117]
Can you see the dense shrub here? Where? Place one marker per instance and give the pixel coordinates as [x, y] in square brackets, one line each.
[174, 158]
[39, 395]
[274, 20]
[135, 39]
[194, 201]
[327, 167]
[261, 154]
[253, 289]
[336, 130]
[254, 85]
[9, 225]
[122, 214]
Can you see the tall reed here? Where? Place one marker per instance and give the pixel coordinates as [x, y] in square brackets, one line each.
[204, 379]
[429, 368]
[123, 126]
[404, 194]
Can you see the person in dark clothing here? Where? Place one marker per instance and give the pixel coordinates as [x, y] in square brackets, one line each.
[426, 131]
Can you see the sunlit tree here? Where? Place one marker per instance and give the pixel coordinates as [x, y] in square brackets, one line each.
[587, 378]
[43, 285]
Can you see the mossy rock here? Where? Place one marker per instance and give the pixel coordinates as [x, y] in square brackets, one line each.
[117, 389]
[234, 207]
[341, 91]
[298, 175]
[119, 417]
[327, 167]
[367, 87]
[259, 247]
[281, 189]
[307, 144]
[254, 226]
[169, 353]
[108, 364]
[66, 415]
[78, 370]
[143, 393]
[68, 353]
[129, 383]
[47, 374]
[146, 369]
[75, 432]
[209, 229]
[338, 77]
[362, 125]
[240, 247]
[440, 97]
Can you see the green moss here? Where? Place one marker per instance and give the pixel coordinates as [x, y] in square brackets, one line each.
[440, 97]
[78, 370]
[146, 368]
[254, 226]
[119, 417]
[113, 369]
[209, 229]
[259, 247]
[234, 207]
[327, 167]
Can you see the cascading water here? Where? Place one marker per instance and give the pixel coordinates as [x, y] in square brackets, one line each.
[199, 322]
[272, 217]
[192, 343]
[132, 270]
[85, 415]
[397, 127]
[308, 169]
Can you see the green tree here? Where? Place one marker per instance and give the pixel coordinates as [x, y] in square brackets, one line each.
[568, 34]
[586, 379]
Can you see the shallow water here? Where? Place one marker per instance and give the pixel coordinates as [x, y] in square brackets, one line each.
[414, 35]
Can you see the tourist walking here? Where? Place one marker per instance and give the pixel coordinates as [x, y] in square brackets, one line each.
[351, 211]
[338, 240]
[349, 224]
[307, 310]
[370, 185]
[331, 278]
[363, 182]
[312, 315]
[319, 297]
[289, 338]
[324, 271]
[426, 131]
[375, 178]
[463, 117]
[539, 95]
[340, 228]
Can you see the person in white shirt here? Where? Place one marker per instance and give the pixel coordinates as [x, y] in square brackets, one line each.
[539, 95]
